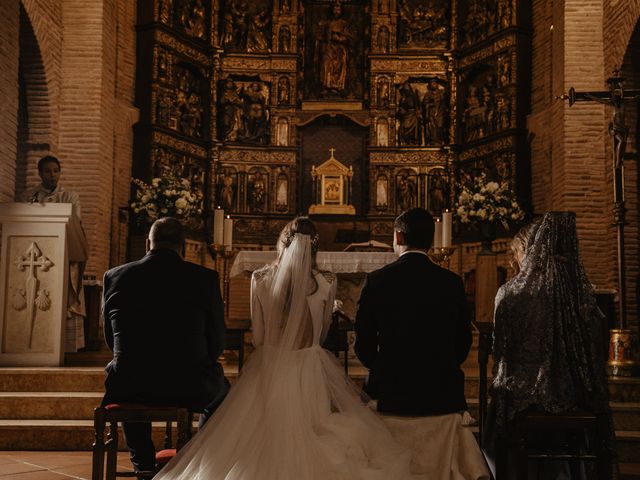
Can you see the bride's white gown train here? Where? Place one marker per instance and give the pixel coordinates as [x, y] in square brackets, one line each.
[292, 413]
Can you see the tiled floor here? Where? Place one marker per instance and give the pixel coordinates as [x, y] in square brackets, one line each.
[51, 465]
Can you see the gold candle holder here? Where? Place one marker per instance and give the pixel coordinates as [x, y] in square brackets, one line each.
[623, 353]
[441, 255]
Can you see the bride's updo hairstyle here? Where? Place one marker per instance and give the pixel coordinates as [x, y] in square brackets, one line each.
[303, 226]
[519, 245]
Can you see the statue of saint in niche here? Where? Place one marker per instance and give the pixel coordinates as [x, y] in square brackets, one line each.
[284, 39]
[258, 193]
[383, 39]
[230, 112]
[438, 188]
[433, 114]
[408, 116]
[406, 192]
[256, 118]
[257, 33]
[332, 51]
[283, 91]
[227, 192]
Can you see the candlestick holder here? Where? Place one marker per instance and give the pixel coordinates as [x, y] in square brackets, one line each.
[441, 255]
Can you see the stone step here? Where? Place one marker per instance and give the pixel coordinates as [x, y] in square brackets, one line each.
[91, 379]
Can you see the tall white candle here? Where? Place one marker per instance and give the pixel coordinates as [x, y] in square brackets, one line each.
[218, 226]
[228, 232]
[447, 220]
[437, 234]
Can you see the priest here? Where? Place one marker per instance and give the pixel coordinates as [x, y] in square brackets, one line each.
[48, 191]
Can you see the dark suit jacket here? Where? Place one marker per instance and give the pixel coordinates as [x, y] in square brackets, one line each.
[164, 321]
[413, 332]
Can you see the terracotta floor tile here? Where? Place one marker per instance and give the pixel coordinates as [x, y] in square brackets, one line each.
[18, 467]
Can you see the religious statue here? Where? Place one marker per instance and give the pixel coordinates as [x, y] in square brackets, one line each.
[193, 18]
[332, 51]
[381, 192]
[438, 191]
[383, 7]
[504, 70]
[504, 13]
[479, 23]
[406, 192]
[382, 132]
[191, 118]
[282, 203]
[257, 33]
[226, 192]
[162, 65]
[231, 114]
[503, 111]
[433, 114]
[164, 109]
[284, 39]
[256, 115]
[383, 39]
[408, 114]
[617, 126]
[285, 7]
[235, 26]
[164, 11]
[283, 91]
[473, 114]
[383, 93]
[258, 191]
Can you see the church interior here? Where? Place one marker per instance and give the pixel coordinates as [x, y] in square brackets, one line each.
[235, 116]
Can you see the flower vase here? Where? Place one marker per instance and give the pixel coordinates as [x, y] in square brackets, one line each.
[487, 236]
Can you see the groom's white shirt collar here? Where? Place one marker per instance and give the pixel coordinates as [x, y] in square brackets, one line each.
[421, 252]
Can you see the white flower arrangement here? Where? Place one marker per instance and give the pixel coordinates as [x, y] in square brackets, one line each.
[484, 201]
[167, 196]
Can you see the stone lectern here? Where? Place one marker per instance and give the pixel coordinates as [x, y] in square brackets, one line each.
[38, 242]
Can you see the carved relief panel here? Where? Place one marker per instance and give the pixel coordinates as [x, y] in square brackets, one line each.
[243, 110]
[422, 112]
[246, 26]
[423, 24]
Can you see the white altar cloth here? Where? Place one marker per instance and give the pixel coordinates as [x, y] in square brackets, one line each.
[336, 262]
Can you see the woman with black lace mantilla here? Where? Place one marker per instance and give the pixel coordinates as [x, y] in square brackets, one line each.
[548, 346]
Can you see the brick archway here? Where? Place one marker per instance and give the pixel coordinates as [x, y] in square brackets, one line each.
[620, 19]
[35, 130]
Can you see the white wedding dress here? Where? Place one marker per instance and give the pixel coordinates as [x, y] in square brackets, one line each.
[292, 413]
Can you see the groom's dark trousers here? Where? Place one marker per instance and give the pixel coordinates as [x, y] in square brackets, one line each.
[413, 332]
[164, 322]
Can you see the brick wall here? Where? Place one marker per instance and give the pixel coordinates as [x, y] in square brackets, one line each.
[9, 9]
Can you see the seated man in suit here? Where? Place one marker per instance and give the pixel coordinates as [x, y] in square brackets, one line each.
[412, 327]
[164, 321]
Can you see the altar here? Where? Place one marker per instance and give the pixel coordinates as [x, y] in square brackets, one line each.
[351, 268]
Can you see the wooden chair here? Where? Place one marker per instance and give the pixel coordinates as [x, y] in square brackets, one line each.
[131, 412]
[573, 425]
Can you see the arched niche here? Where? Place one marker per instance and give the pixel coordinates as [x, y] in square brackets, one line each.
[349, 139]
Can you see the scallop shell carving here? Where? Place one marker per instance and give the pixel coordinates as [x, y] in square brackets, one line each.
[19, 302]
[43, 302]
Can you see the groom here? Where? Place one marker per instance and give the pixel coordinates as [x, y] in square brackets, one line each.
[164, 321]
[412, 327]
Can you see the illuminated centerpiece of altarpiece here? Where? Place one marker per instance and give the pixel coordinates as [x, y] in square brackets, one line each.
[332, 188]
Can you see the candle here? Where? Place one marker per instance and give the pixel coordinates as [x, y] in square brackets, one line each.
[447, 220]
[437, 234]
[218, 225]
[228, 232]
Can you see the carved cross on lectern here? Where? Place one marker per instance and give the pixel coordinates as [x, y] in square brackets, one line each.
[32, 259]
[619, 131]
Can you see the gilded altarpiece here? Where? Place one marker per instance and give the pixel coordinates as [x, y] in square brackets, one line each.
[241, 98]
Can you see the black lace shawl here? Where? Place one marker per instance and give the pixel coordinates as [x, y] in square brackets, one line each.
[548, 345]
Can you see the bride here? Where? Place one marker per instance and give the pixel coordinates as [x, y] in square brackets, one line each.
[292, 414]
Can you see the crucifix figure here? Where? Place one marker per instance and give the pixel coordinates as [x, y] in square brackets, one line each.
[614, 97]
[32, 259]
